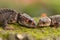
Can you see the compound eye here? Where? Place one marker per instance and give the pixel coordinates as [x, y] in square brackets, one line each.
[32, 23]
[27, 21]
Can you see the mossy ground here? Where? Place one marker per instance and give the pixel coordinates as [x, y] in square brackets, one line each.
[37, 32]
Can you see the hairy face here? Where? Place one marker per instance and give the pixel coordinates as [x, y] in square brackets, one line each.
[44, 21]
[26, 21]
[30, 22]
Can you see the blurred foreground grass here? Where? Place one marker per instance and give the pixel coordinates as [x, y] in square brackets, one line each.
[36, 32]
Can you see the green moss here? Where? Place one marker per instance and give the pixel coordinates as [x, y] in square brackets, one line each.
[37, 32]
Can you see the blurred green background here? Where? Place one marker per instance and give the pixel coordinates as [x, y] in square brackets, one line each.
[33, 7]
